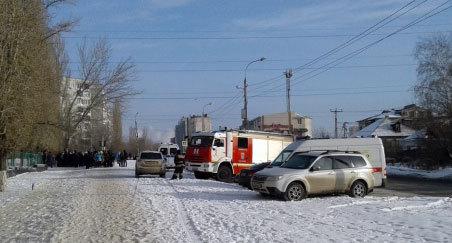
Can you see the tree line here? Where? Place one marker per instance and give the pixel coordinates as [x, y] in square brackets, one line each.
[434, 94]
[36, 110]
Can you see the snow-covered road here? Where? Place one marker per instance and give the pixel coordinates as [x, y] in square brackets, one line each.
[110, 205]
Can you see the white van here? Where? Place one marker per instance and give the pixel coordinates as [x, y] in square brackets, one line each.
[169, 151]
[372, 148]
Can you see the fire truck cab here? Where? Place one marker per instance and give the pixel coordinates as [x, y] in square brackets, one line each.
[223, 154]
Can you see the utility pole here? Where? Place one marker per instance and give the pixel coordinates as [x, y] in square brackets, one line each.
[245, 105]
[204, 115]
[136, 134]
[245, 97]
[288, 73]
[335, 111]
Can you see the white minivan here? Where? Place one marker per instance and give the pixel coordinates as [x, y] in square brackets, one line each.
[169, 151]
[372, 148]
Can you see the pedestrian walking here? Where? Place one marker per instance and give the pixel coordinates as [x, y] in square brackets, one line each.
[179, 166]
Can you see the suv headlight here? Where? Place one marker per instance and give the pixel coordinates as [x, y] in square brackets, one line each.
[274, 178]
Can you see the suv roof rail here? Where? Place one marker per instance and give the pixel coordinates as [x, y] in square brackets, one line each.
[327, 151]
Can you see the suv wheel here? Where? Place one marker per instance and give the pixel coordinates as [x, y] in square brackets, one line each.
[358, 189]
[162, 175]
[294, 192]
[224, 174]
[137, 175]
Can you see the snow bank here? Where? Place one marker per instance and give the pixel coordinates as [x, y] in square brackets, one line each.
[397, 170]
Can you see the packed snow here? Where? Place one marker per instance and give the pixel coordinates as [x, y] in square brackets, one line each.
[110, 205]
[399, 170]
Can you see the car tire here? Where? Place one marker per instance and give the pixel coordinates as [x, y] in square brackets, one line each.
[224, 174]
[201, 175]
[137, 175]
[358, 189]
[294, 192]
[162, 175]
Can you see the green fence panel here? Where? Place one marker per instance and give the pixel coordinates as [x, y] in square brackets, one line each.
[24, 159]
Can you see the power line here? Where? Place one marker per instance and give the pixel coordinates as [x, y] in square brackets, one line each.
[348, 56]
[266, 96]
[238, 37]
[191, 61]
[357, 37]
[282, 116]
[237, 93]
[313, 28]
[269, 69]
[354, 39]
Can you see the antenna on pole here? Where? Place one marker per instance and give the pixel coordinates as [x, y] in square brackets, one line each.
[335, 111]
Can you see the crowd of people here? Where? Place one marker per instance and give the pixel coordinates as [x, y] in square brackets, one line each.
[88, 159]
[103, 158]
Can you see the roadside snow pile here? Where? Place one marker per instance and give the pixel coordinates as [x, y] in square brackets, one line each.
[398, 170]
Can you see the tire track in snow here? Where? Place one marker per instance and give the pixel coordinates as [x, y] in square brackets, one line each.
[183, 217]
[439, 203]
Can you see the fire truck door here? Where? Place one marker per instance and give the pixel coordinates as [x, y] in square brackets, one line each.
[242, 155]
[218, 148]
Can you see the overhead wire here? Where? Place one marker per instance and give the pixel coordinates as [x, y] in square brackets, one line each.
[383, 22]
[348, 56]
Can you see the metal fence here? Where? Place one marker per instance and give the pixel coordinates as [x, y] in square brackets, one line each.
[20, 160]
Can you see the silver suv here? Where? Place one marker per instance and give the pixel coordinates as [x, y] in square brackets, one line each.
[150, 162]
[316, 172]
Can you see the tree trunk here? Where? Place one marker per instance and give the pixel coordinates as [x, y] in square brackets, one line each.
[3, 168]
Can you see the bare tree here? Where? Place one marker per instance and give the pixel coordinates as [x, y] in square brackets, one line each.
[103, 83]
[321, 132]
[434, 88]
[434, 92]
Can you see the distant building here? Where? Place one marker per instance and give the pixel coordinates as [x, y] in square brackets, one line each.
[189, 125]
[407, 115]
[94, 130]
[279, 122]
[392, 126]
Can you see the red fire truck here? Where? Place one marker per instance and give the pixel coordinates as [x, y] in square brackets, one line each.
[223, 154]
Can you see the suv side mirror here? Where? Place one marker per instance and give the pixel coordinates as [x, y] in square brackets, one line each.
[315, 168]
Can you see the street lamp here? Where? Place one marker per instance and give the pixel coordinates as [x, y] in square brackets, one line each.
[203, 115]
[245, 98]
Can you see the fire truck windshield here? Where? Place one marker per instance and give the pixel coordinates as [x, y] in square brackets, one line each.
[201, 141]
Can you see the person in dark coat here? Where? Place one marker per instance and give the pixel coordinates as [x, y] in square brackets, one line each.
[49, 159]
[179, 166]
[58, 159]
[87, 160]
[111, 158]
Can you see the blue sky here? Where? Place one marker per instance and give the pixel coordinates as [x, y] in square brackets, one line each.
[195, 51]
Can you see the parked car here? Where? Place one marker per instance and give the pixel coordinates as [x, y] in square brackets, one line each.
[150, 162]
[244, 178]
[316, 172]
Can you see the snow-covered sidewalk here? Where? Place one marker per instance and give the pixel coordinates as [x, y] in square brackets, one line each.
[110, 205]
